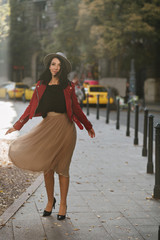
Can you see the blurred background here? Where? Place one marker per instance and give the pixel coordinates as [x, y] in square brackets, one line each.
[115, 42]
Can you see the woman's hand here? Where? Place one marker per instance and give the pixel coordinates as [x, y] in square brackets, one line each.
[91, 133]
[10, 130]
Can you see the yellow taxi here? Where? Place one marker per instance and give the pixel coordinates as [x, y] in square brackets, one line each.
[3, 89]
[28, 93]
[12, 90]
[93, 91]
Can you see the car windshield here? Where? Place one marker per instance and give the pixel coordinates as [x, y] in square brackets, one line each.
[98, 89]
[21, 86]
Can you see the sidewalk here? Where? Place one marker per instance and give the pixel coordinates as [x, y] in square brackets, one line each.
[110, 195]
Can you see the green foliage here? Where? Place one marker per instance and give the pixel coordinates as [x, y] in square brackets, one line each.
[88, 30]
[120, 25]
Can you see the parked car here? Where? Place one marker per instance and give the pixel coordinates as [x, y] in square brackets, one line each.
[28, 93]
[12, 90]
[93, 91]
[3, 89]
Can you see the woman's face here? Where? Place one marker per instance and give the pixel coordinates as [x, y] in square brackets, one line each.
[55, 66]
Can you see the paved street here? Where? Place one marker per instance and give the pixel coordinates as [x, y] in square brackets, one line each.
[110, 194]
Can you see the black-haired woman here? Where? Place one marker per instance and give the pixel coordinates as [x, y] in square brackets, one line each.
[49, 146]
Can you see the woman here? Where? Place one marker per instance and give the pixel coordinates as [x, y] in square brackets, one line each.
[50, 145]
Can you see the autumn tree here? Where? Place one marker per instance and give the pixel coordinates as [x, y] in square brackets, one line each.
[116, 30]
[128, 29]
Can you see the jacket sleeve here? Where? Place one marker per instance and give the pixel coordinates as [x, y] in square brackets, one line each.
[25, 116]
[77, 111]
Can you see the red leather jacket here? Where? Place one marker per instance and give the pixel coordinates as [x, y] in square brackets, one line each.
[73, 108]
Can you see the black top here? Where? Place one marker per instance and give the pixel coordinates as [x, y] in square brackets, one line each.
[53, 100]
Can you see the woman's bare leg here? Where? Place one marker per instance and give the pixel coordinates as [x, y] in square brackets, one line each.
[64, 186]
[49, 183]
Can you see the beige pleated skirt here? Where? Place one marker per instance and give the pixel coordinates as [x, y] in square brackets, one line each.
[48, 146]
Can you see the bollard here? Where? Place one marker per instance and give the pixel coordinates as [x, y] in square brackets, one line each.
[136, 125]
[144, 150]
[87, 104]
[150, 146]
[81, 104]
[97, 117]
[107, 110]
[108, 105]
[128, 119]
[159, 233]
[157, 163]
[118, 114]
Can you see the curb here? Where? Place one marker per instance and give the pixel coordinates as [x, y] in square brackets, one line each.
[13, 208]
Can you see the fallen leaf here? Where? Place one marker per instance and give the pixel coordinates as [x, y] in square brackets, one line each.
[76, 229]
[148, 198]
[18, 227]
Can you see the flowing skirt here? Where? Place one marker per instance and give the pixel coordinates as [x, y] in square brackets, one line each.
[48, 146]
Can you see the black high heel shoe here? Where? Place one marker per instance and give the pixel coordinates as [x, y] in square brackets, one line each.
[46, 213]
[61, 217]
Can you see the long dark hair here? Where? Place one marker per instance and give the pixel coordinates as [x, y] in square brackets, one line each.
[46, 75]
